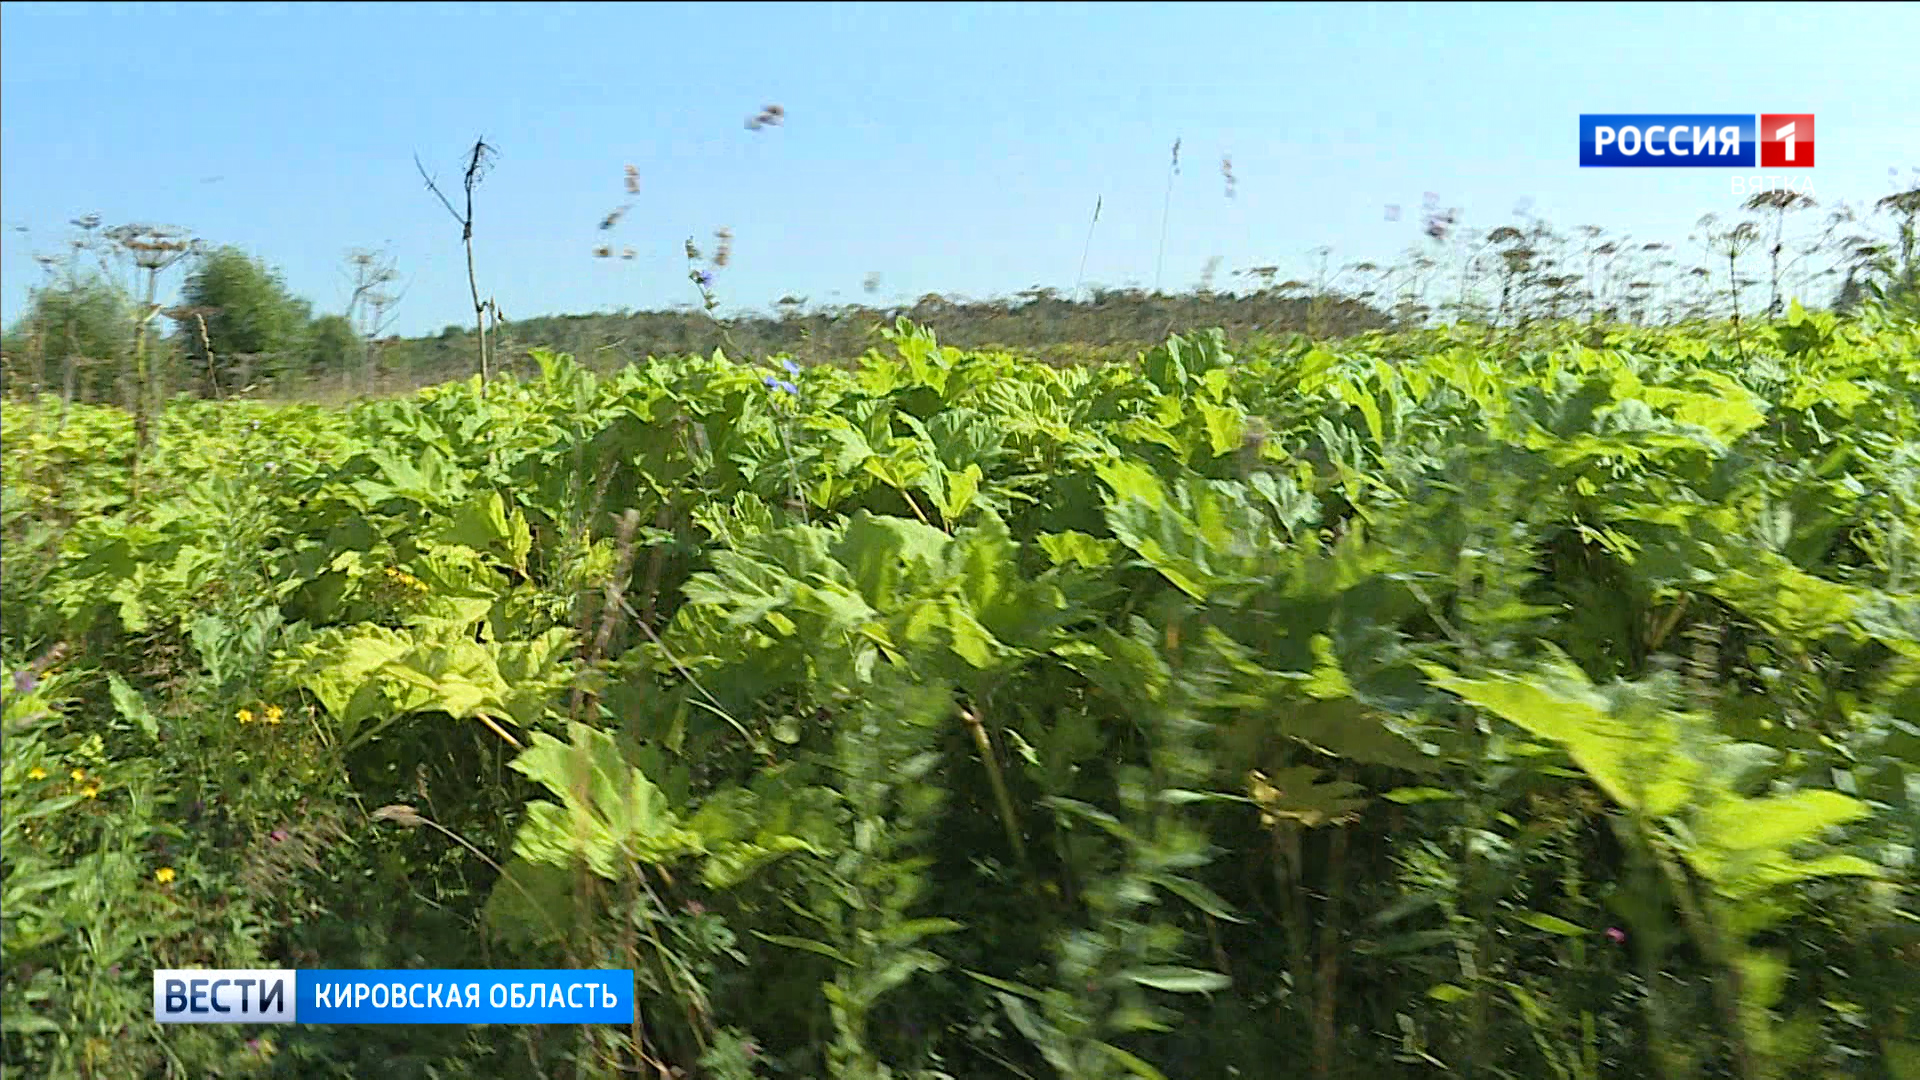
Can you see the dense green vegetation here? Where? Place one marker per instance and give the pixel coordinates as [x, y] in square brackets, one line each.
[1523, 702]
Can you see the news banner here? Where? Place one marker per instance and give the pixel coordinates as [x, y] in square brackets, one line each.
[215, 996]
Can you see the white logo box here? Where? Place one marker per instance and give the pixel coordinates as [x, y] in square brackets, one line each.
[223, 996]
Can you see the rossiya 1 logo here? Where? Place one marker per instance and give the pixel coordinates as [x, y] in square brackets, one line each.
[1696, 140]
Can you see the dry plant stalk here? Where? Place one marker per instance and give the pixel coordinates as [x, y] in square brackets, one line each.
[478, 159]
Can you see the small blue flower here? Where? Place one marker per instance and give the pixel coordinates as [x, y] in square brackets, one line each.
[705, 278]
[782, 385]
[793, 369]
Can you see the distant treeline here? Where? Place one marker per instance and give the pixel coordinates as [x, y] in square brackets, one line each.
[77, 338]
[1041, 324]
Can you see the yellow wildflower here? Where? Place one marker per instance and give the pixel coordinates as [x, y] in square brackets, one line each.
[36, 773]
[164, 875]
[245, 716]
[91, 791]
[78, 775]
[273, 714]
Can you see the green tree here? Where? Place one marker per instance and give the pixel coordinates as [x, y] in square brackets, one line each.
[332, 345]
[69, 323]
[252, 314]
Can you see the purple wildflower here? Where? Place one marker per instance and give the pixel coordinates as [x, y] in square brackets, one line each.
[277, 835]
[705, 278]
[24, 681]
[781, 385]
[793, 369]
[1616, 935]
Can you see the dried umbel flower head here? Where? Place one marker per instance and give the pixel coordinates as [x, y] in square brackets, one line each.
[1904, 202]
[633, 180]
[152, 247]
[1779, 199]
[723, 247]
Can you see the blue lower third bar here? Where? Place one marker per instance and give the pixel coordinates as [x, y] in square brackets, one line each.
[393, 997]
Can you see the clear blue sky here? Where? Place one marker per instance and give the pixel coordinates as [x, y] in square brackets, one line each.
[948, 147]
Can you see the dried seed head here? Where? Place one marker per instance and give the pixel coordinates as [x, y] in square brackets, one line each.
[633, 180]
[400, 814]
[723, 247]
[693, 253]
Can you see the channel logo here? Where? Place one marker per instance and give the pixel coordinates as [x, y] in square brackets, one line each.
[211, 996]
[248, 996]
[1696, 140]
